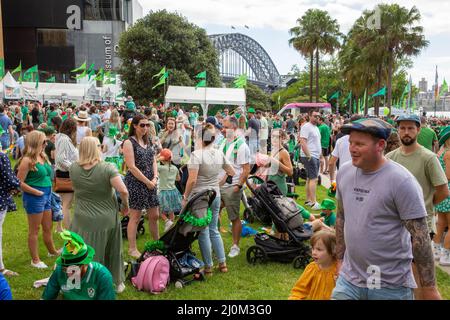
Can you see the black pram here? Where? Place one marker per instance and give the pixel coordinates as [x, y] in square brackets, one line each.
[285, 214]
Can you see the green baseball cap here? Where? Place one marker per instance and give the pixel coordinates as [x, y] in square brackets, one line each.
[75, 251]
[327, 204]
[251, 110]
[444, 135]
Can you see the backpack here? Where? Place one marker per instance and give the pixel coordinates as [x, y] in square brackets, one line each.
[153, 275]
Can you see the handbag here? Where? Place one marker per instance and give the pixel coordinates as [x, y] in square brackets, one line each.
[63, 185]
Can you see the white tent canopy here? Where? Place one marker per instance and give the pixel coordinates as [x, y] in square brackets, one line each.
[206, 96]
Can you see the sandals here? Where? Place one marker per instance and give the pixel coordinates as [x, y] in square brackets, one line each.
[223, 268]
[9, 273]
[134, 254]
[208, 271]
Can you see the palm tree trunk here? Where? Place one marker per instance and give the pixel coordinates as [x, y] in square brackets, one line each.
[317, 75]
[377, 99]
[311, 76]
[389, 82]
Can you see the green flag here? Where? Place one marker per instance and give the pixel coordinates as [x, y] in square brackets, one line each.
[2, 68]
[18, 69]
[364, 101]
[80, 68]
[325, 97]
[28, 75]
[120, 95]
[110, 78]
[405, 92]
[201, 75]
[354, 106]
[348, 97]
[444, 88]
[381, 92]
[160, 73]
[334, 95]
[100, 75]
[162, 79]
[241, 81]
[91, 71]
[51, 79]
[201, 84]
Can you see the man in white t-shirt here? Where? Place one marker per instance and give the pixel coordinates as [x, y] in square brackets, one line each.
[311, 150]
[263, 132]
[238, 154]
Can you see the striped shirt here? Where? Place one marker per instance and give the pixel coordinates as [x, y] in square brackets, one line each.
[66, 152]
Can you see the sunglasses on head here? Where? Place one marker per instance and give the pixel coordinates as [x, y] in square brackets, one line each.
[143, 125]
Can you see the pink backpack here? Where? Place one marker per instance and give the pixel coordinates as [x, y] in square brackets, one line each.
[153, 275]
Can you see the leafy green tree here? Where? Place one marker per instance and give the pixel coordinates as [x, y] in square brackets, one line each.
[257, 98]
[165, 39]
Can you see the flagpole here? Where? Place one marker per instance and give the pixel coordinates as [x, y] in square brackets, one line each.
[435, 95]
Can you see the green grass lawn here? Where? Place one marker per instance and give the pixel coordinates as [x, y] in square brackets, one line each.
[243, 281]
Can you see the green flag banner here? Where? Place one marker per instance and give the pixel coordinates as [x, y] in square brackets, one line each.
[28, 75]
[18, 69]
[100, 75]
[160, 73]
[325, 97]
[241, 81]
[80, 68]
[51, 79]
[201, 75]
[348, 98]
[444, 88]
[91, 71]
[2, 68]
[354, 106]
[335, 95]
[381, 92]
[162, 79]
[201, 84]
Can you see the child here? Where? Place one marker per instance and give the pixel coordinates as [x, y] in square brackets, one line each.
[328, 217]
[169, 196]
[318, 280]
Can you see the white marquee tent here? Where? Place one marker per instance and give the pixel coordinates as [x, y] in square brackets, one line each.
[206, 96]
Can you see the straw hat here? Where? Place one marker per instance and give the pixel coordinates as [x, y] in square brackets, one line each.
[82, 116]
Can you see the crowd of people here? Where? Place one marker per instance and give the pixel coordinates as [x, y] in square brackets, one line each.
[393, 203]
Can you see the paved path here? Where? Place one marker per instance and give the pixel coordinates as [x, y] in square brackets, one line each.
[326, 183]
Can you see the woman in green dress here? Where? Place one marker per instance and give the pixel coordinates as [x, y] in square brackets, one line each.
[280, 161]
[96, 214]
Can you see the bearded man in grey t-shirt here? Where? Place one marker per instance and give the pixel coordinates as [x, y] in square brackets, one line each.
[381, 223]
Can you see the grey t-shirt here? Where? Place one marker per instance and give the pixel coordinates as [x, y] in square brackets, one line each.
[209, 162]
[375, 205]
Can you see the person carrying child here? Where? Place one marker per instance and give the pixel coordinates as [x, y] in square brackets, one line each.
[169, 196]
[319, 278]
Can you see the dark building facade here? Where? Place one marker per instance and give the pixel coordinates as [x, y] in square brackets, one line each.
[59, 35]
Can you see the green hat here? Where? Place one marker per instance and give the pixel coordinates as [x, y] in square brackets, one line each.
[130, 105]
[75, 251]
[251, 110]
[327, 204]
[444, 135]
[48, 130]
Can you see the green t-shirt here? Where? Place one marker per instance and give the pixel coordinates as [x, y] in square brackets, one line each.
[50, 116]
[329, 220]
[277, 124]
[425, 167]
[42, 177]
[426, 138]
[24, 111]
[325, 133]
[391, 122]
[96, 284]
[167, 176]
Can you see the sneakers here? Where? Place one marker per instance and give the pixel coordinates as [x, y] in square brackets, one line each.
[437, 251]
[57, 254]
[234, 251]
[168, 224]
[120, 288]
[316, 206]
[307, 203]
[39, 265]
[445, 257]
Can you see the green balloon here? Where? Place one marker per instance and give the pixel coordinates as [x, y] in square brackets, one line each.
[386, 111]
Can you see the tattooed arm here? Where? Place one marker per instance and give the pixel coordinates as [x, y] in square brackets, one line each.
[340, 240]
[423, 257]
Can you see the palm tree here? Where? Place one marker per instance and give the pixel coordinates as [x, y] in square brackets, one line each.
[403, 38]
[302, 41]
[326, 38]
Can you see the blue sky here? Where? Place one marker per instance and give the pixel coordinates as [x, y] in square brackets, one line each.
[270, 20]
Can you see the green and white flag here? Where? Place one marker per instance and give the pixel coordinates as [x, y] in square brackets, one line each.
[28, 75]
[201, 83]
[18, 69]
[51, 79]
[100, 75]
[162, 79]
[241, 81]
[335, 95]
[381, 92]
[80, 68]
[91, 71]
[201, 75]
[160, 73]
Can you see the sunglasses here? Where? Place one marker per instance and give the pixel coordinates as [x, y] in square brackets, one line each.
[143, 125]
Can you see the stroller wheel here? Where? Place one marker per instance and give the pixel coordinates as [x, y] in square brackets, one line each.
[179, 284]
[256, 254]
[300, 262]
[248, 215]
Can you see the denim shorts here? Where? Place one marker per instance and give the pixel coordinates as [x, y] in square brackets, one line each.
[38, 204]
[345, 290]
[312, 167]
